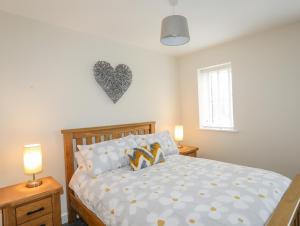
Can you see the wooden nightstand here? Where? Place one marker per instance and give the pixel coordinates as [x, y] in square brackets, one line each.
[38, 206]
[188, 151]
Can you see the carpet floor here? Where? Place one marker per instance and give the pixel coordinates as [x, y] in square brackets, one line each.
[76, 223]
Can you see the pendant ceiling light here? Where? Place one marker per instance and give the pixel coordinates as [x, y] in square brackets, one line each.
[174, 29]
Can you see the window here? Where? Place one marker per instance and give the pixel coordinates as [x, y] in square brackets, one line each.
[215, 97]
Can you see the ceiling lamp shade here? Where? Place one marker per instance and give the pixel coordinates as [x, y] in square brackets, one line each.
[174, 31]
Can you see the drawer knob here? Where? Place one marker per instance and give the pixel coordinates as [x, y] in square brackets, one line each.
[35, 211]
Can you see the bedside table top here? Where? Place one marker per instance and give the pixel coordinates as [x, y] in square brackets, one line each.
[19, 193]
[187, 149]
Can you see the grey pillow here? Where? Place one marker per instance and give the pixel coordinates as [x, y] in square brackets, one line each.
[164, 138]
[107, 155]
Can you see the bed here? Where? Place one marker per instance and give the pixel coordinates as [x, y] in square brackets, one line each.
[196, 191]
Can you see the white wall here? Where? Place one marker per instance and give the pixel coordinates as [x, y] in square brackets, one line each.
[46, 84]
[266, 81]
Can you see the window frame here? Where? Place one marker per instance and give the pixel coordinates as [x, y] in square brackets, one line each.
[207, 70]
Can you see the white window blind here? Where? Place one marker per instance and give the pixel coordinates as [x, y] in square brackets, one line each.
[215, 97]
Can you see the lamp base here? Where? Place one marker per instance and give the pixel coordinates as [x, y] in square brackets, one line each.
[34, 183]
[179, 145]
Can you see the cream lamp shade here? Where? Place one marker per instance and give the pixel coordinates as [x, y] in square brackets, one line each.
[32, 158]
[178, 133]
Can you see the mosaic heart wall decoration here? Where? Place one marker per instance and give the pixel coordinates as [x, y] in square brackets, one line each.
[114, 81]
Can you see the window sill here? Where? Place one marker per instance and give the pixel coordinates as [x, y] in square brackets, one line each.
[230, 130]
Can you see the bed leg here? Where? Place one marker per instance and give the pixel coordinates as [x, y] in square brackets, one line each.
[71, 211]
[71, 215]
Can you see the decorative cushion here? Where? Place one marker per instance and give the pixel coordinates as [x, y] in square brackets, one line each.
[164, 138]
[140, 158]
[145, 156]
[158, 154]
[107, 155]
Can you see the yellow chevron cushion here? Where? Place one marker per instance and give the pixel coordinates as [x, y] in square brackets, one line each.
[145, 156]
[158, 155]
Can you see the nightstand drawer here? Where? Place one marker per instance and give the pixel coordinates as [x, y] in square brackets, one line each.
[33, 210]
[41, 221]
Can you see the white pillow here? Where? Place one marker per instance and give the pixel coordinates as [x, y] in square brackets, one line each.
[80, 161]
[107, 155]
[166, 142]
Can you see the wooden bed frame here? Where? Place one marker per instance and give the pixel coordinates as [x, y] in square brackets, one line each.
[287, 212]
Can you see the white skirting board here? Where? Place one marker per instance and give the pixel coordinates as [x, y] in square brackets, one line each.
[64, 217]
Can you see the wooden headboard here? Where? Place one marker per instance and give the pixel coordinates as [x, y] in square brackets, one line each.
[73, 137]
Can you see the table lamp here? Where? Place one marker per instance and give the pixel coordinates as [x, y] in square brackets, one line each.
[178, 134]
[33, 163]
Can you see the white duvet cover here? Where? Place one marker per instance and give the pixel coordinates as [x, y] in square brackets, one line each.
[182, 191]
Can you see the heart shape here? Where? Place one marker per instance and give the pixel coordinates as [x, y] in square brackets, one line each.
[114, 82]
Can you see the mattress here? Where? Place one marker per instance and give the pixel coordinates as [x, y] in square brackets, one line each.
[182, 191]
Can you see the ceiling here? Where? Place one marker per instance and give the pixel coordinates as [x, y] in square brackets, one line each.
[137, 22]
